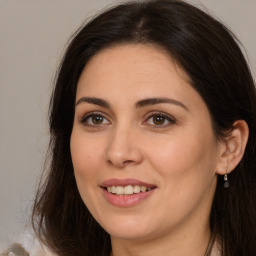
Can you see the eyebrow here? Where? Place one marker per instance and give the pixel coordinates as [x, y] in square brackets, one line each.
[95, 101]
[139, 104]
[154, 101]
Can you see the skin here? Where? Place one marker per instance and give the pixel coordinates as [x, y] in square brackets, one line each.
[181, 157]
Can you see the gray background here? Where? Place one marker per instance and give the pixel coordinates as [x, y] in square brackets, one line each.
[32, 39]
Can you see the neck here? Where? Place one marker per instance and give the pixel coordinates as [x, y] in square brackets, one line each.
[193, 243]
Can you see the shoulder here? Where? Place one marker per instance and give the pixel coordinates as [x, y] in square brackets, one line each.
[26, 245]
[15, 249]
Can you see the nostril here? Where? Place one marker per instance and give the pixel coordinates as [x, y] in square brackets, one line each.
[120, 163]
[128, 162]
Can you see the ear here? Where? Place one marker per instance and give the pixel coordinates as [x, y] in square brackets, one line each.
[232, 149]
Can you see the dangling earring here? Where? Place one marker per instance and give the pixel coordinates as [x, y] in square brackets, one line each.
[226, 183]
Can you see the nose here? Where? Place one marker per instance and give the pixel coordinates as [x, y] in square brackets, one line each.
[123, 148]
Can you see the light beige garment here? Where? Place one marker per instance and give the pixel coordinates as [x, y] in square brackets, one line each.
[18, 250]
[216, 250]
[15, 250]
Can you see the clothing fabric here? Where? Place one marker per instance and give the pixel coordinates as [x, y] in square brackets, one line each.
[216, 251]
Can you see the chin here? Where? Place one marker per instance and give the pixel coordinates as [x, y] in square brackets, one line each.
[128, 228]
[128, 234]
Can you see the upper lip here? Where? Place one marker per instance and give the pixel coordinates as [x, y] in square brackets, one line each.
[125, 182]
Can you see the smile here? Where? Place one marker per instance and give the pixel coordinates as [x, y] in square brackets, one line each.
[127, 190]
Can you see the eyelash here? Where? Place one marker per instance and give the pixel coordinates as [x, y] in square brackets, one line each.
[85, 119]
[166, 118]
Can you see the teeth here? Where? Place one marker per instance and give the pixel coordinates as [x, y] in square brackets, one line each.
[119, 190]
[113, 189]
[127, 190]
[143, 189]
[136, 189]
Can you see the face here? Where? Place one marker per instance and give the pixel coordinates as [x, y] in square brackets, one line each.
[142, 145]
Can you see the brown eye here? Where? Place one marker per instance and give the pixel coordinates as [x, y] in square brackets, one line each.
[94, 120]
[160, 120]
[97, 119]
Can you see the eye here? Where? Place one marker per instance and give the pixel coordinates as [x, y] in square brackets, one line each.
[94, 120]
[160, 119]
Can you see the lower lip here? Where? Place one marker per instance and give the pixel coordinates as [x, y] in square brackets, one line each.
[126, 201]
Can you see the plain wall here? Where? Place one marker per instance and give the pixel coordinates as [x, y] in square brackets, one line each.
[32, 39]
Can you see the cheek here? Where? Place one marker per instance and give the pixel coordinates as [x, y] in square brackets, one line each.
[182, 157]
[85, 157]
[186, 166]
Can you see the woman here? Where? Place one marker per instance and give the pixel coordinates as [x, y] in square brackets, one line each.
[153, 125]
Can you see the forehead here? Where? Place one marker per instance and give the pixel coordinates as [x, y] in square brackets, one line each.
[137, 65]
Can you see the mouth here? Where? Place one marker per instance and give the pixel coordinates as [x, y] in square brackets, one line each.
[128, 190]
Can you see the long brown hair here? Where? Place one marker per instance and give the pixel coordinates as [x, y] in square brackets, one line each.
[209, 53]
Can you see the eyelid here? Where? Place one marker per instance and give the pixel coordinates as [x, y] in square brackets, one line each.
[93, 113]
[168, 117]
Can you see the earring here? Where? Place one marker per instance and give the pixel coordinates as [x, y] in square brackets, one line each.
[226, 183]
